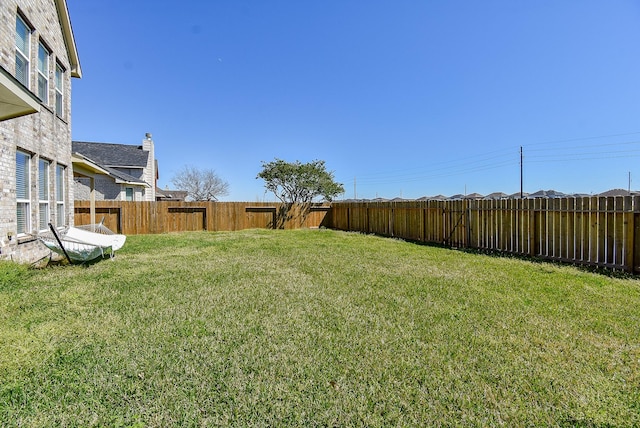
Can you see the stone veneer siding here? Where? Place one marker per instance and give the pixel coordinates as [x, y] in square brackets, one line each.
[42, 135]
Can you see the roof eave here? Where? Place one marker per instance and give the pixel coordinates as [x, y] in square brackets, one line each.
[85, 166]
[133, 183]
[67, 32]
[15, 99]
[125, 166]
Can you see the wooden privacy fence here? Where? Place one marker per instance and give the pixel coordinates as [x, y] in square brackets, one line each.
[136, 218]
[595, 231]
[599, 231]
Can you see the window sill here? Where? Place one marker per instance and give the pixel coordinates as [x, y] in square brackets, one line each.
[51, 110]
[63, 120]
[23, 239]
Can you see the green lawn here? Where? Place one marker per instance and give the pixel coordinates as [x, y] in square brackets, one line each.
[315, 328]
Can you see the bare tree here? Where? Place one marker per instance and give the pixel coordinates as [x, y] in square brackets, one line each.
[200, 184]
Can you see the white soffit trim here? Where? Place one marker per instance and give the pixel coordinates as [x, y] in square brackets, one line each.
[85, 166]
[15, 100]
[133, 183]
[70, 42]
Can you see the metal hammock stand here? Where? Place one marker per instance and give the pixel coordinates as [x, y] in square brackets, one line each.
[82, 243]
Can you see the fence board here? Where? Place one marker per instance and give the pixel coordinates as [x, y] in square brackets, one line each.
[635, 256]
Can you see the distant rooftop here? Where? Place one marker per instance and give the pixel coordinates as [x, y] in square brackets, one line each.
[500, 195]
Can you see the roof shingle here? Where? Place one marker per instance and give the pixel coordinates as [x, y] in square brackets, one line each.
[113, 155]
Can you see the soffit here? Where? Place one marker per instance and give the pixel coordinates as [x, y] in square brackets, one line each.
[15, 99]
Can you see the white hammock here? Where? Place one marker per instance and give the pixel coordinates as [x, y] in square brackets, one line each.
[82, 243]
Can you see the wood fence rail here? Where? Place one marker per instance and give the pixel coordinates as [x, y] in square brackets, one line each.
[599, 231]
[137, 218]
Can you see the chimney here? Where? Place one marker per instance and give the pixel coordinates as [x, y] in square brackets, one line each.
[147, 143]
[150, 173]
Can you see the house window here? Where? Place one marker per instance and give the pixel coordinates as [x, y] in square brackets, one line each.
[59, 82]
[43, 193]
[60, 195]
[23, 35]
[43, 73]
[129, 193]
[23, 195]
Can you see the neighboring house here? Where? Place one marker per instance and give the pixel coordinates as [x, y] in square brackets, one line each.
[618, 192]
[38, 58]
[171, 195]
[119, 172]
[547, 194]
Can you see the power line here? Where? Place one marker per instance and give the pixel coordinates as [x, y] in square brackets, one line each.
[442, 164]
[601, 156]
[582, 139]
[446, 167]
[502, 158]
[428, 176]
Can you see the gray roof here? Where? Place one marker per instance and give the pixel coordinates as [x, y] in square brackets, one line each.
[473, 196]
[547, 194]
[616, 192]
[168, 194]
[497, 195]
[113, 155]
[439, 197]
[123, 176]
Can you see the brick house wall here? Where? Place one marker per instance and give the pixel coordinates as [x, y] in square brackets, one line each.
[44, 135]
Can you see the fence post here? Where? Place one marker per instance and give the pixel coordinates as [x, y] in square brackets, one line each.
[391, 217]
[632, 253]
[468, 224]
[533, 227]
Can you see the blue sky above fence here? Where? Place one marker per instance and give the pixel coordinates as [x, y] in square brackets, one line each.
[406, 98]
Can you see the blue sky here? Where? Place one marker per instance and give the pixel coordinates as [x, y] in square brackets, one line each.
[400, 98]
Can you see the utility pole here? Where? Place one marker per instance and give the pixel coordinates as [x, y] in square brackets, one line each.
[521, 188]
[355, 192]
[629, 182]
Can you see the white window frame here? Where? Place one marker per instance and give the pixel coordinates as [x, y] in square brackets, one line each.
[23, 200]
[44, 212]
[126, 194]
[60, 187]
[43, 73]
[59, 84]
[21, 56]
